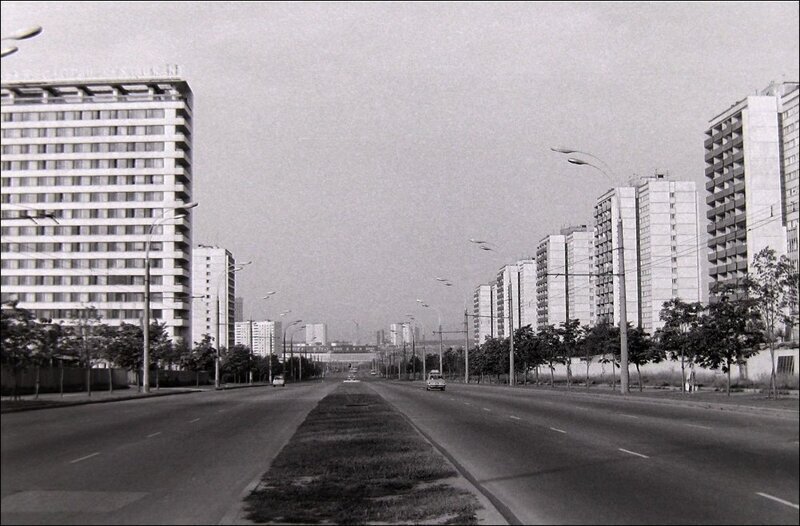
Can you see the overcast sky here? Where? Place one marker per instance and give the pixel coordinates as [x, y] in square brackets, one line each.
[350, 150]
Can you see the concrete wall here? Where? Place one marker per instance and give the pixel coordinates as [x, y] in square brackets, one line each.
[49, 379]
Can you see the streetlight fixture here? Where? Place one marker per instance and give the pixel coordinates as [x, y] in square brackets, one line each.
[228, 268]
[267, 296]
[623, 310]
[146, 313]
[284, 345]
[439, 314]
[22, 34]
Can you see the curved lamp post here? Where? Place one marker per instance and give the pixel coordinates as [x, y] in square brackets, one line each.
[22, 34]
[229, 268]
[439, 314]
[267, 296]
[295, 322]
[146, 320]
[623, 307]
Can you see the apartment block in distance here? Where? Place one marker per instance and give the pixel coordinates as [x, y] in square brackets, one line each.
[483, 310]
[579, 246]
[91, 171]
[262, 337]
[745, 183]
[213, 293]
[316, 334]
[551, 284]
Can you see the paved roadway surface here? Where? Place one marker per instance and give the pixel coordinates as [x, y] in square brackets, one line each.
[166, 460]
[558, 458]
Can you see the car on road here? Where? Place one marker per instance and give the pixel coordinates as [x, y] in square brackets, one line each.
[373, 373]
[351, 379]
[278, 380]
[435, 381]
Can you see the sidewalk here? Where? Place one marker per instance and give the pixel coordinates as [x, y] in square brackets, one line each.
[50, 400]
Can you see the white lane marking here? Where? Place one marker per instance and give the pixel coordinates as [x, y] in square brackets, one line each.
[486, 409]
[153, 434]
[83, 458]
[468, 403]
[558, 430]
[695, 425]
[629, 416]
[195, 420]
[633, 453]
[776, 499]
[515, 417]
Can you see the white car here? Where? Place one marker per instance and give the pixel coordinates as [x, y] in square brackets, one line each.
[351, 379]
[435, 381]
[278, 380]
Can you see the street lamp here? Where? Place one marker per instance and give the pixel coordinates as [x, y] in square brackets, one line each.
[284, 344]
[228, 268]
[22, 34]
[146, 324]
[439, 314]
[267, 296]
[623, 310]
[449, 283]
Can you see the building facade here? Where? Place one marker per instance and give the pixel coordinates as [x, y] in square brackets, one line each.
[526, 281]
[316, 334]
[507, 305]
[262, 337]
[579, 246]
[93, 174]
[483, 310]
[551, 282]
[790, 136]
[213, 292]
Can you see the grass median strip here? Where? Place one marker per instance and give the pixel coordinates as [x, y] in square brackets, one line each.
[355, 460]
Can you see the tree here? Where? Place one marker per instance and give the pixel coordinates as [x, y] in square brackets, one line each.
[161, 347]
[16, 339]
[128, 345]
[641, 351]
[550, 346]
[598, 340]
[238, 361]
[527, 350]
[730, 333]
[773, 285]
[571, 335]
[679, 333]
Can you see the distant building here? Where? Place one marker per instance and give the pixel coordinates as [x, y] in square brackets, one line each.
[551, 281]
[483, 306]
[579, 246]
[213, 289]
[317, 334]
[238, 309]
[262, 337]
[507, 300]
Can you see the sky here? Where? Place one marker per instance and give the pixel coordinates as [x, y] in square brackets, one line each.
[351, 150]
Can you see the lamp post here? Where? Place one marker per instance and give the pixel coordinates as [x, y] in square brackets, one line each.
[439, 314]
[22, 34]
[449, 283]
[413, 347]
[623, 310]
[223, 274]
[253, 338]
[284, 346]
[146, 313]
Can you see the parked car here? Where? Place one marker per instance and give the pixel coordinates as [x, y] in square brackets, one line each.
[278, 380]
[351, 379]
[435, 381]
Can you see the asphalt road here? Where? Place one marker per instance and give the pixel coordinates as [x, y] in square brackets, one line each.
[183, 459]
[558, 458]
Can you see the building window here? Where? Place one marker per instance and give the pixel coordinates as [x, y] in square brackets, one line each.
[785, 365]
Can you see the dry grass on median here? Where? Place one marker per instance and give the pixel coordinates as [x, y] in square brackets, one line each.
[357, 461]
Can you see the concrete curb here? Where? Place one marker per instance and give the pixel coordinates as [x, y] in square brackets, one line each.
[494, 511]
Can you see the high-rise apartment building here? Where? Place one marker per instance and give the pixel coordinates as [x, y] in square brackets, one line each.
[790, 136]
[507, 300]
[483, 309]
[213, 292]
[92, 172]
[551, 283]
[607, 253]
[579, 246]
[316, 334]
[238, 309]
[526, 284]
[399, 333]
[669, 255]
[262, 337]
[746, 182]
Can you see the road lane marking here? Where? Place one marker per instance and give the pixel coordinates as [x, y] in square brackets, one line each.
[633, 453]
[195, 420]
[629, 416]
[487, 409]
[153, 434]
[558, 430]
[467, 403]
[515, 417]
[695, 425]
[776, 499]
[83, 458]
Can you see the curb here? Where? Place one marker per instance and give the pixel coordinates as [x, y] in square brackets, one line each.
[494, 511]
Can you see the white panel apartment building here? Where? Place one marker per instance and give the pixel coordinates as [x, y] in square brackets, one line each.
[507, 300]
[526, 278]
[551, 284]
[483, 309]
[88, 169]
[579, 243]
[263, 337]
[316, 334]
[213, 278]
[669, 255]
[744, 183]
[790, 135]
[606, 255]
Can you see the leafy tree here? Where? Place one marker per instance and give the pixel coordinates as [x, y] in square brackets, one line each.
[678, 337]
[200, 358]
[598, 340]
[641, 351]
[571, 335]
[17, 330]
[238, 361]
[527, 350]
[730, 333]
[773, 285]
[550, 345]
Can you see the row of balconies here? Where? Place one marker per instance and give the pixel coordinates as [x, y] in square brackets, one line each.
[729, 236]
[720, 179]
[727, 253]
[732, 220]
[729, 267]
[719, 165]
[736, 142]
[734, 127]
[733, 204]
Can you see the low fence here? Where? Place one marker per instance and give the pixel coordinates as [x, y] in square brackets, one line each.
[74, 379]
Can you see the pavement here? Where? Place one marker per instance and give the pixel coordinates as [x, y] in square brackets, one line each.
[747, 401]
[51, 400]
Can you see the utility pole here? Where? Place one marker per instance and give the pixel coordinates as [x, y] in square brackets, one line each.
[466, 347]
[511, 340]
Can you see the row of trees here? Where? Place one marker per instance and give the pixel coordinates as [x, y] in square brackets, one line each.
[28, 342]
